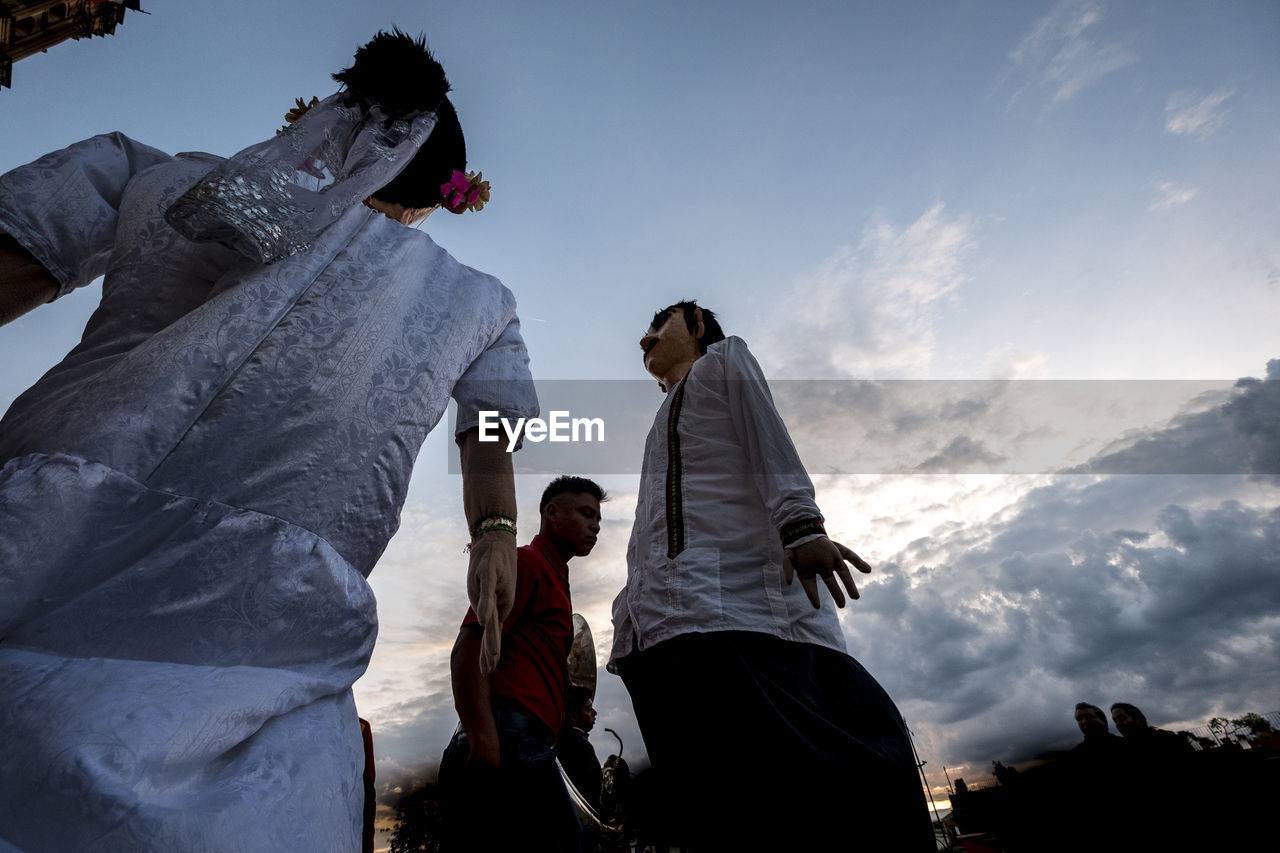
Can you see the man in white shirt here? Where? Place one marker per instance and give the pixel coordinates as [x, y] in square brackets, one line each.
[801, 748]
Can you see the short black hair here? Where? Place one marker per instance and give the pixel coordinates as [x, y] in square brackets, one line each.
[569, 485]
[1080, 706]
[711, 331]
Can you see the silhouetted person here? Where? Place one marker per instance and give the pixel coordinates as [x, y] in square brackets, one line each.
[578, 758]
[1146, 739]
[577, 755]
[1092, 822]
[1161, 781]
[1099, 743]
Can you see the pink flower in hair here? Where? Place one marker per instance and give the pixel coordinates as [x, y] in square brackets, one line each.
[463, 192]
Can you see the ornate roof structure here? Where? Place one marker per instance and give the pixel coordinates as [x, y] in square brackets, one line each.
[36, 25]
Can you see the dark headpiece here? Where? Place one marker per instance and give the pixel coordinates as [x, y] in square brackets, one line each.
[396, 72]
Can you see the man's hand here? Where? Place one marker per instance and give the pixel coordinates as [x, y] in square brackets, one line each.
[824, 557]
[485, 748]
[491, 587]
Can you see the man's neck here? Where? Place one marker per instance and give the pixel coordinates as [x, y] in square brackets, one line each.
[562, 548]
[676, 373]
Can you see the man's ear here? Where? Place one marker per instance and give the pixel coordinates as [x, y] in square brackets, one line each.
[700, 329]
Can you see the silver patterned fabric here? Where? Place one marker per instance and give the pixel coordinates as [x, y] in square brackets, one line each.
[191, 499]
[270, 200]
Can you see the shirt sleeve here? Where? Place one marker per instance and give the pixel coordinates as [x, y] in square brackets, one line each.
[63, 207]
[498, 380]
[779, 475]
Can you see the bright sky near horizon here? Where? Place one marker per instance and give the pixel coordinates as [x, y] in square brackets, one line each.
[925, 190]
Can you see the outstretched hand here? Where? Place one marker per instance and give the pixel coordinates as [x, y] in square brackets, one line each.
[491, 587]
[825, 558]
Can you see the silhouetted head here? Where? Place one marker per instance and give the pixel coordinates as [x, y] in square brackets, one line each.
[1129, 720]
[580, 708]
[1090, 718]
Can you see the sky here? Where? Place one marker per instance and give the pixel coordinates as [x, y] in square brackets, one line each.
[1005, 261]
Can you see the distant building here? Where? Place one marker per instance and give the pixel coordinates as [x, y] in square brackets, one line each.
[34, 27]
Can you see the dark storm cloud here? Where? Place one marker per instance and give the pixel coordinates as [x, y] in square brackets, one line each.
[1175, 626]
[1242, 435]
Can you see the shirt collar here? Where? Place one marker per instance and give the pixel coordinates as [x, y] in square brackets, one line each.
[550, 552]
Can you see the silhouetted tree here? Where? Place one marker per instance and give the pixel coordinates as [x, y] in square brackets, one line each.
[1222, 728]
[419, 822]
[1255, 723]
[1005, 775]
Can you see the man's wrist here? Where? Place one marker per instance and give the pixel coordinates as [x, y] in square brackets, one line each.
[806, 529]
[492, 523]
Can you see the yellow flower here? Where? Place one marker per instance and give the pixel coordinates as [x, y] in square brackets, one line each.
[479, 194]
[298, 111]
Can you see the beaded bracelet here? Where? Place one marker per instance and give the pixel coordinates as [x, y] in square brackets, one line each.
[493, 522]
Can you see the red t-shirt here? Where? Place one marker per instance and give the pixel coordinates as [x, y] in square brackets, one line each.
[533, 671]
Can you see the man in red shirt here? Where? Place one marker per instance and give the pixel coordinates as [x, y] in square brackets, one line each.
[500, 786]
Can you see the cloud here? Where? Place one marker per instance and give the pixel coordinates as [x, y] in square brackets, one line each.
[1188, 113]
[1062, 52]
[871, 310]
[997, 426]
[1241, 435]
[1172, 195]
[961, 452]
[1180, 617]
[1018, 598]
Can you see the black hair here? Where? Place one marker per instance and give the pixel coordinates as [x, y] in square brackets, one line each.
[1132, 711]
[1080, 706]
[398, 73]
[577, 697]
[569, 485]
[711, 331]
[444, 153]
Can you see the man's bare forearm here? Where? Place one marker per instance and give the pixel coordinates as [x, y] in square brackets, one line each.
[489, 489]
[24, 282]
[488, 481]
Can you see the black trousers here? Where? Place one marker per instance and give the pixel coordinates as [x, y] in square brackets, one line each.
[521, 807]
[763, 744]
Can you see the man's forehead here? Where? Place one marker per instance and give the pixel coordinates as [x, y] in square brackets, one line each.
[671, 312]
